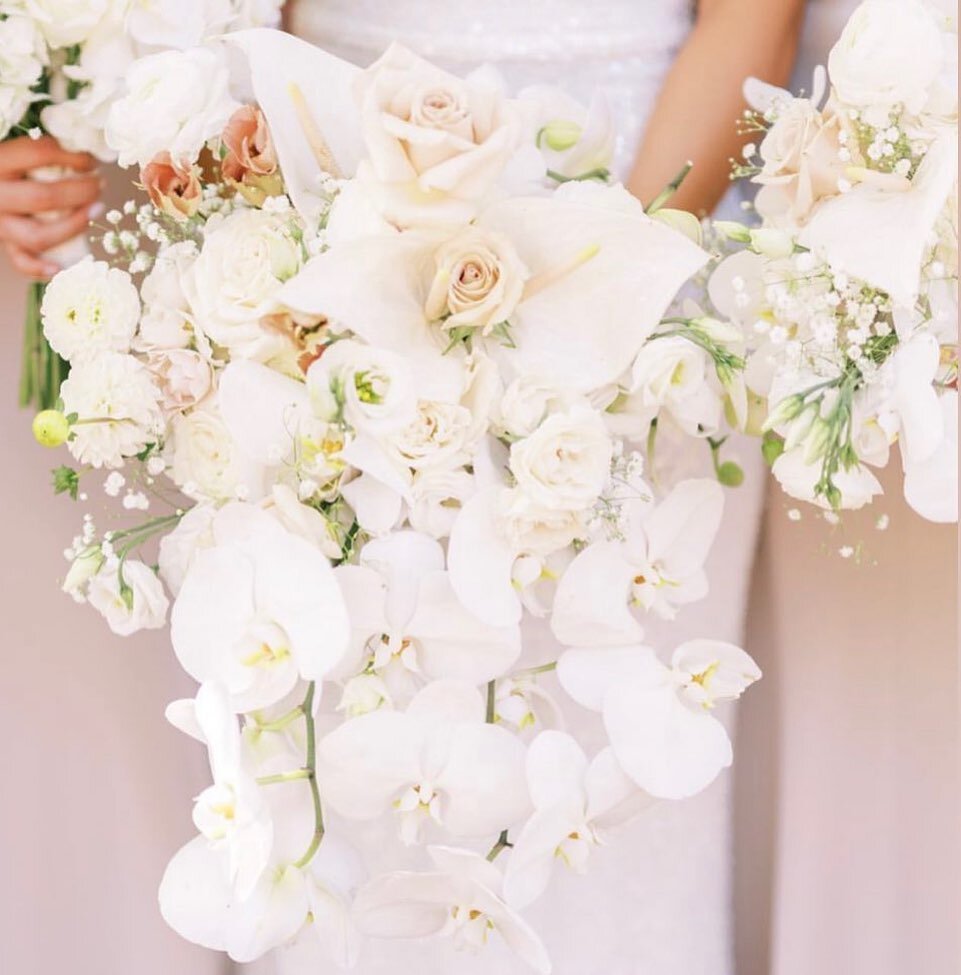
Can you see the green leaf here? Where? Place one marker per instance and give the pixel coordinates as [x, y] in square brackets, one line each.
[66, 481]
[772, 446]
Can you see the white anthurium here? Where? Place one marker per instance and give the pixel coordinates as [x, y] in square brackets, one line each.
[574, 801]
[914, 399]
[593, 256]
[438, 761]
[894, 225]
[931, 485]
[460, 898]
[309, 109]
[257, 613]
[658, 567]
[658, 718]
[231, 814]
[407, 624]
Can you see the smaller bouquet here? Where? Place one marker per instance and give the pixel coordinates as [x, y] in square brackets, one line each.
[847, 292]
[62, 65]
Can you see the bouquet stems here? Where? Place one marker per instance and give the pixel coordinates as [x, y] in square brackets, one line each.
[42, 370]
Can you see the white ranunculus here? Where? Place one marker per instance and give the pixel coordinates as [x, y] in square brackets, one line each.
[565, 463]
[888, 54]
[174, 102]
[205, 461]
[118, 400]
[371, 388]
[90, 308]
[436, 143]
[526, 403]
[258, 612]
[573, 140]
[436, 497]
[244, 261]
[478, 282]
[672, 373]
[23, 53]
[66, 22]
[130, 598]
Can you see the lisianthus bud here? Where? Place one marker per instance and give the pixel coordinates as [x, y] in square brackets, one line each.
[816, 440]
[785, 411]
[733, 230]
[51, 428]
[771, 243]
[559, 134]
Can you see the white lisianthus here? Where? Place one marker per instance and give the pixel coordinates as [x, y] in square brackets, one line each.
[66, 22]
[129, 596]
[436, 497]
[798, 477]
[564, 464]
[205, 461]
[90, 308]
[436, 143]
[889, 53]
[478, 283]
[244, 261]
[117, 404]
[174, 102]
[436, 437]
[672, 373]
[526, 403]
[371, 389]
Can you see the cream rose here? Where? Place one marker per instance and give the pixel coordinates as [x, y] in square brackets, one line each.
[565, 463]
[889, 53]
[232, 286]
[436, 437]
[478, 283]
[436, 143]
[801, 164]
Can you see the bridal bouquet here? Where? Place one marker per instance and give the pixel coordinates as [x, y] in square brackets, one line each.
[848, 291]
[402, 350]
[62, 65]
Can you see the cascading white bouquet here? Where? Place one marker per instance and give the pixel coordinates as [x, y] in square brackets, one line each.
[62, 65]
[401, 345]
[848, 292]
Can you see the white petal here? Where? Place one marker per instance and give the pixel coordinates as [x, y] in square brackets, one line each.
[405, 905]
[447, 701]
[587, 675]
[612, 796]
[272, 915]
[668, 749]
[531, 862]
[682, 528]
[922, 427]
[931, 487]
[480, 562]
[376, 505]
[403, 558]
[182, 714]
[733, 669]
[195, 895]
[591, 603]
[556, 765]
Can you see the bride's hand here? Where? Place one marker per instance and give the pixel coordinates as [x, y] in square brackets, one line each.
[35, 215]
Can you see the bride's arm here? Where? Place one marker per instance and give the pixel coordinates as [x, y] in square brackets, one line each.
[695, 114]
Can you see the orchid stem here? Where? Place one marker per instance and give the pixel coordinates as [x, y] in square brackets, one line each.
[502, 844]
[532, 671]
[308, 709]
[669, 190]
[281, 723]
[295, 776]
[491, 702]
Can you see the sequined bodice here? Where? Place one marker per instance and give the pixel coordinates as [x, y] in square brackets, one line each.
[622, 46]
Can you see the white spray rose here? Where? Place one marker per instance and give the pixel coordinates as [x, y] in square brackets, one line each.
[889, 53]
[565, 463]
[90, 308]
[436, 143]
[116, 400]
[205, 461]
[436, 437]
[479, 281]
[66, 22]
[175, 102]
[130, 599]
[244, 261]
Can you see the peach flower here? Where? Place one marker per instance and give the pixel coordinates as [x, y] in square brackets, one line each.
[173, 189]
[250, 163]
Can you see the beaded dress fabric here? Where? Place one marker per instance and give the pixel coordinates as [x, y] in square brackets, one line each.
[656, 900]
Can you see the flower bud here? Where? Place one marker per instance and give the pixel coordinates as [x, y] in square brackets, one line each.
[51, 428]
[560, 135]
[730, 474]
[771, 243]
[724, 333]
[817, 440]
[733, 230]
[785, 411]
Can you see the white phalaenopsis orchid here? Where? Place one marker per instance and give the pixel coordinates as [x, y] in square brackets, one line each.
[460, 898]
[658, 718]
[574, 801]
[658, 567]
[258, 613]
[438, 761]
[407, 624]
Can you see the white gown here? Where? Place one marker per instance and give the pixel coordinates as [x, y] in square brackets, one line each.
[657, 900]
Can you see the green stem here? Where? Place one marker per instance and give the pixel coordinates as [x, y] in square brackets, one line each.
[542, 669]
[281, 723]
[599, 173]
[669, 190]
[308, 708]
[491, 695]
[295, 776]
[502, 844]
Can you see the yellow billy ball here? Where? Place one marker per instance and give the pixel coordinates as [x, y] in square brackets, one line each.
[51, 428]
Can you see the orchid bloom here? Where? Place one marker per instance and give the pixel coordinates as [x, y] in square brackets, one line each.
[658, 718]
[406, 618]
[259, 612]
[574, 800]
[437, 761]
[460, 898]
[658, 567]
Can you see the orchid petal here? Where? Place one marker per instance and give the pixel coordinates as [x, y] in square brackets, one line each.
[682, 528]
[587, 675]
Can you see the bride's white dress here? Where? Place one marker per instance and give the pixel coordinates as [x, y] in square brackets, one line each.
[657, 900]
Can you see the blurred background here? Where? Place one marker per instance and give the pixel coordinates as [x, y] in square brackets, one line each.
[846, 844]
